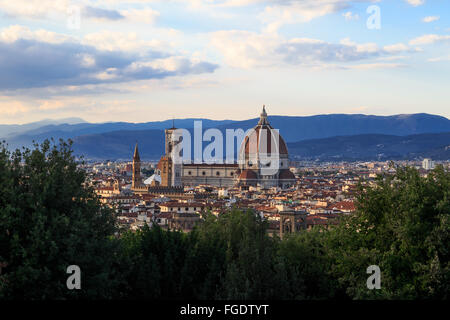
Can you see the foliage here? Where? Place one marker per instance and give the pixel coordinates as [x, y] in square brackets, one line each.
[50, 219]
[402, 225]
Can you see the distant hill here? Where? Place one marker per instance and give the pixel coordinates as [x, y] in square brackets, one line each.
[331, 125]
[121, 136]
[118, 145]
[7, 130]
[374, 147]
[66, 131]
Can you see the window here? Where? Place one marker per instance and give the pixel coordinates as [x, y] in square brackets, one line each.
[203, 173]
[217, 173]
[231, 173]
[189, 172]
[187, 209]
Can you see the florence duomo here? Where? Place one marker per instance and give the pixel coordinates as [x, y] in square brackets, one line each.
[263, 161]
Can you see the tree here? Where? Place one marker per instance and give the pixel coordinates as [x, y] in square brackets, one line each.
[50, 219]
[402, 224]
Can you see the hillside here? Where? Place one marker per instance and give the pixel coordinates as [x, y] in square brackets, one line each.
[119, 145]
[374, 147]
[334, 136]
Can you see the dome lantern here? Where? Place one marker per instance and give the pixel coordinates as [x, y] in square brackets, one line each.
[263, 116]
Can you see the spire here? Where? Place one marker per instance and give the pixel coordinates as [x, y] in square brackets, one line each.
[136, 153]
[263, 116]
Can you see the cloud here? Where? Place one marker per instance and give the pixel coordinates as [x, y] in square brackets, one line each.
[12, 107]
[16, 32]
[33, 8]
[34, 62]
[429, 39]
[146, 15]
[415, 3]
[45, 9]
[439, 59]
[123, 41]
[430, 19]
[350, 16]
[398, 47]
[369, 66]
[279, 13]
[244, 49]
[98, 13]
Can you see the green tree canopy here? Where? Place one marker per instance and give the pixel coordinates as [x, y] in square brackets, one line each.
[49, 219]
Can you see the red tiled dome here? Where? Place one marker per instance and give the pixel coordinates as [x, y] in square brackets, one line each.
[263, 139]
[253, 142]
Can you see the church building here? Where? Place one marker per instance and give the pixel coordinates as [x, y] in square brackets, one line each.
[263, 161]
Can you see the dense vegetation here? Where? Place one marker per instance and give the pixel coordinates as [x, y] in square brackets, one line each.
[49, 220]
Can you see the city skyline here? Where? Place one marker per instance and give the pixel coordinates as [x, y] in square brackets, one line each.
[140, 61]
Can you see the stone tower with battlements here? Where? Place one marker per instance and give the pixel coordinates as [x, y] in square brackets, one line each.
[136, 181]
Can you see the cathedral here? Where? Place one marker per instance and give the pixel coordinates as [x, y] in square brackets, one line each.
[263, 158]
[263, 161]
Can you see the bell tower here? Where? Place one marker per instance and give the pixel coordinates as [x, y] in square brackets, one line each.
[136, 178]
[174, 169]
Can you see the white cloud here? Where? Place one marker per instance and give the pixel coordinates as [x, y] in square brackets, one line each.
[58, 10]
[429, 39]
[430, 19]
[11, 107]
[298, 12]
[146, 15]
[33, 8]
[15, 32]
[398, 47]
[439, 59]
[111, 41]
[416, 3]
[369, 66]
[350, 16]
[43, 59]
[244, 49]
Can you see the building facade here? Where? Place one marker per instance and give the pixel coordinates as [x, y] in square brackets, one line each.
[263, 161]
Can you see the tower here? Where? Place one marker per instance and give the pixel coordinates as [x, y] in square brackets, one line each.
[136, 178]
[175, 167]
[165, 168]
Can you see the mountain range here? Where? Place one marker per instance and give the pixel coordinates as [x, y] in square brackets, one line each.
[324, 137]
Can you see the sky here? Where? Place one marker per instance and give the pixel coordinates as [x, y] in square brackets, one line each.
[150, 60]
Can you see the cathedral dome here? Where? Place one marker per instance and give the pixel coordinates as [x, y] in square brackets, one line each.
[262, 139]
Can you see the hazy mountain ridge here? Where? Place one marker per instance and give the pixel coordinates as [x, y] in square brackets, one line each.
[324, 136]
[16, 129]
[374, 147]
[119, 145]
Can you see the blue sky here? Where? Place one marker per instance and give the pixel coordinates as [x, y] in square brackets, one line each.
[146, 60]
